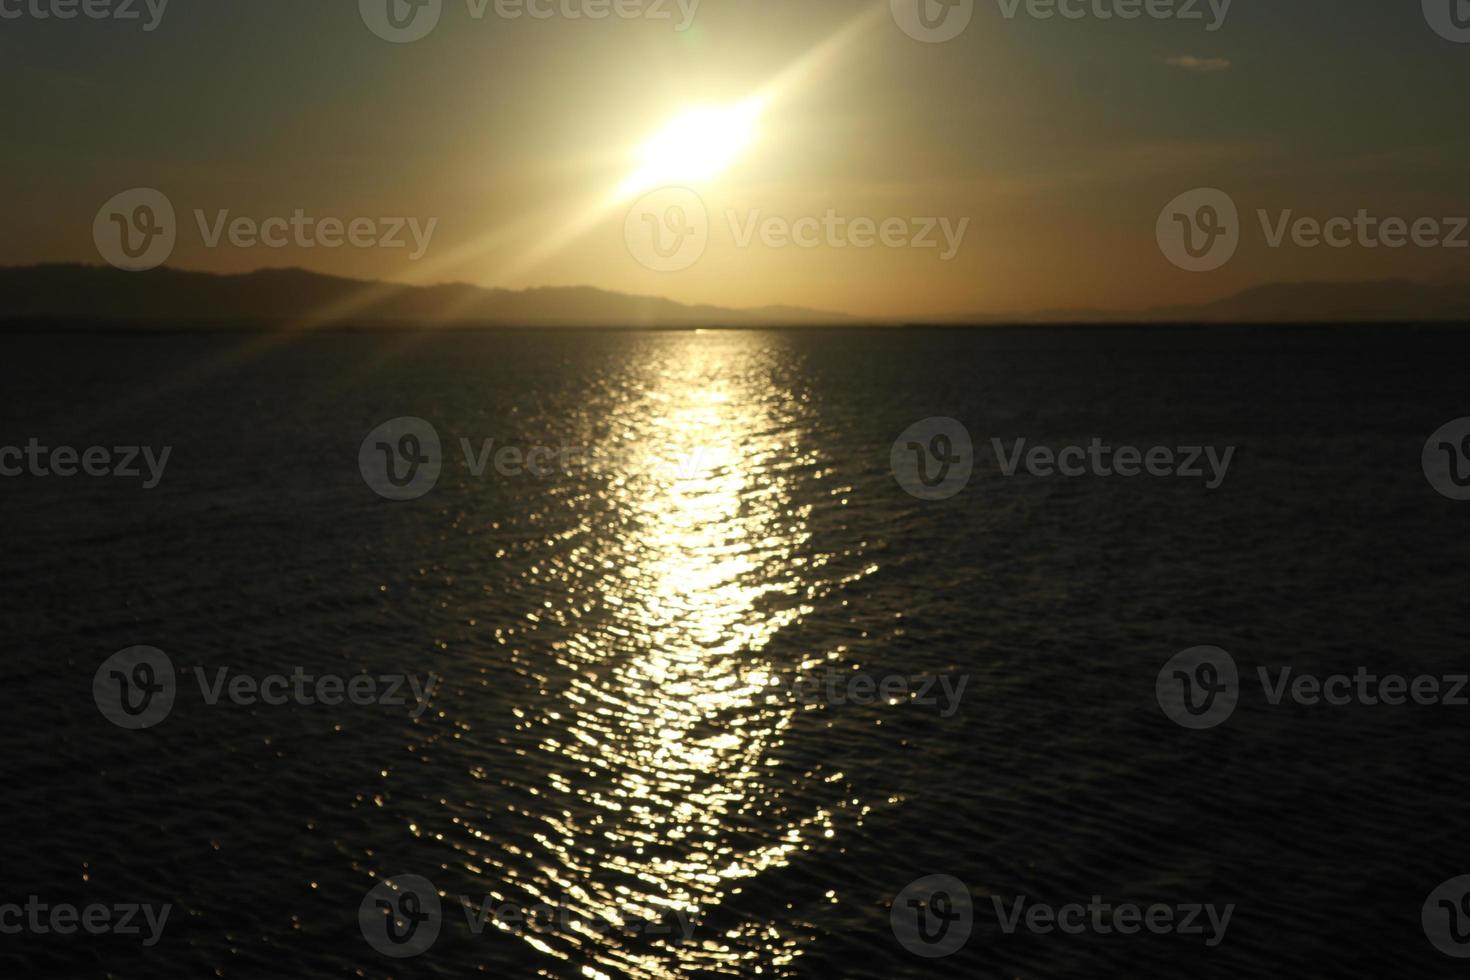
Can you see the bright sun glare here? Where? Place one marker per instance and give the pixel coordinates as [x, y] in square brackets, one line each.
[697, 145]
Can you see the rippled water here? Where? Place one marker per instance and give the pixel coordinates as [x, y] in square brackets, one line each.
[615, 735]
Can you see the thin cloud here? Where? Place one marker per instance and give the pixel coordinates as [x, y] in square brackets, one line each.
[1191, 63]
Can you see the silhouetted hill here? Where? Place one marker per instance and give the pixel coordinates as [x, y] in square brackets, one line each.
[295, 297]
[1388, 300]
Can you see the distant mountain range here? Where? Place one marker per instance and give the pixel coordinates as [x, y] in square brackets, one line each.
[295, 297]
[170, 298]
[1382, 301]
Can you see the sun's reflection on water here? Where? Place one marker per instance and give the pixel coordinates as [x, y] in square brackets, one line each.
[655, 783]
[681, 721]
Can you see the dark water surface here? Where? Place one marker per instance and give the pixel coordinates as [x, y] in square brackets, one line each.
[615, 734]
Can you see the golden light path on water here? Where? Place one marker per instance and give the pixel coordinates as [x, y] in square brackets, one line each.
[689, 612]
[659, 794]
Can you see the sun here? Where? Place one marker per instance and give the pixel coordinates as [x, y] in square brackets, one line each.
[695, 146]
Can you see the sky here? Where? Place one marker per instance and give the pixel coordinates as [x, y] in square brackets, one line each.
[1028, 163]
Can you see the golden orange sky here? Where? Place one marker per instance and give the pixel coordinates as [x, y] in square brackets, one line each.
[1047, 147]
